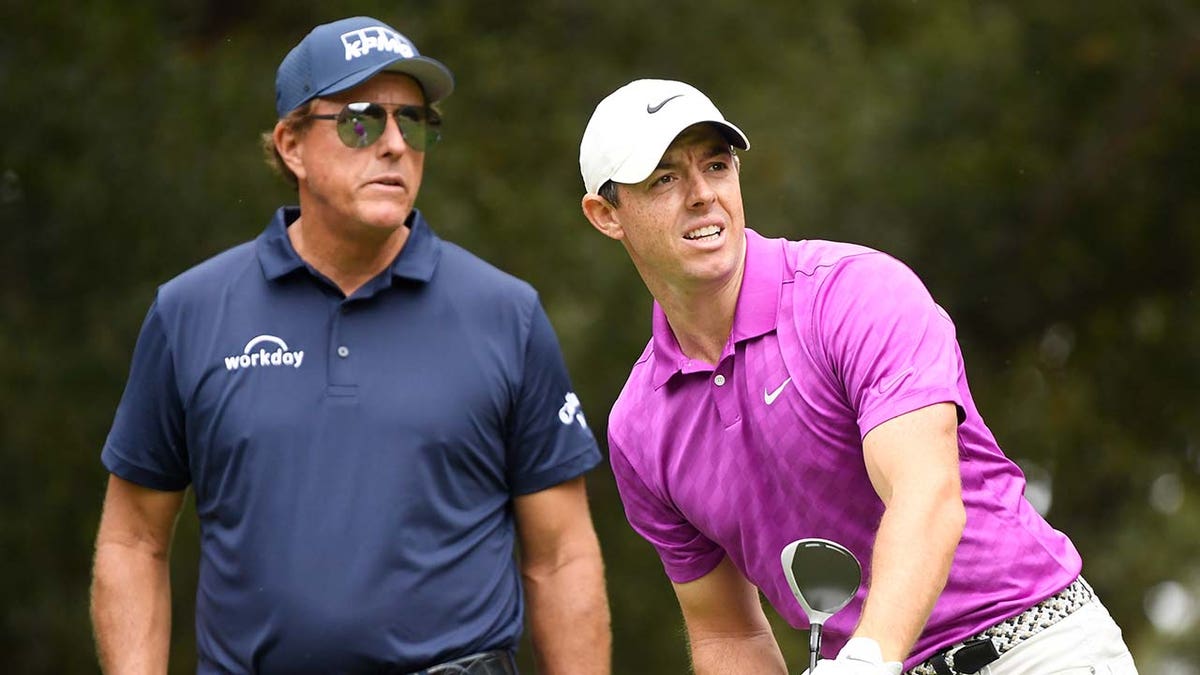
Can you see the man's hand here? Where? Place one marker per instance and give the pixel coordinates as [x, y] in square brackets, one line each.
[860, 656]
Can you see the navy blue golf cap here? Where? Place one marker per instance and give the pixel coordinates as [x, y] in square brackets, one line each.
[336, 56]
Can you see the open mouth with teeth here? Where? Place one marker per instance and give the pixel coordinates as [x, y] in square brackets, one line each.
[706, 232]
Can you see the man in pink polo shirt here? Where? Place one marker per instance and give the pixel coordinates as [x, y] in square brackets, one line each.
[813, 389]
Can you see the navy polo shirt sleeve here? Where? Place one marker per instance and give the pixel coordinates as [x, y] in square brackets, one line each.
[146, 443]
[549, 440]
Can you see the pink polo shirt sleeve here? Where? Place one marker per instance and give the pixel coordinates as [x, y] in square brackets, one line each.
[686, 554]
[892, 348]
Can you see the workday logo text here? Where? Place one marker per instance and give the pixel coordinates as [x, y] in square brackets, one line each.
[362, 41]
[258, 353]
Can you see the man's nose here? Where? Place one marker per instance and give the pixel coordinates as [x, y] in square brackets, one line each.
[392, 141]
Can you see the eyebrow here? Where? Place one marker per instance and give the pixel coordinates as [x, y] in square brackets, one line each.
[714, 150]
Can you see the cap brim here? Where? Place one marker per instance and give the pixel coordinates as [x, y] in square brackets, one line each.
[434, 77]
[639, 165]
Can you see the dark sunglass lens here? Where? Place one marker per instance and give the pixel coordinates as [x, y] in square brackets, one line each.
[415, 133]
[419, 125]
[361, 124]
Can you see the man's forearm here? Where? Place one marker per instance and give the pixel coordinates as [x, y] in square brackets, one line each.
[914, 548]
[131, 610]
[569, 618]
[741, 655]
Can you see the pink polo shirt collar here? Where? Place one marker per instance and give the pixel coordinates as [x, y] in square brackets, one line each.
[755, 315]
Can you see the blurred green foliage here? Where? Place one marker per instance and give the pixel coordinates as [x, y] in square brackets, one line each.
[1035, 162]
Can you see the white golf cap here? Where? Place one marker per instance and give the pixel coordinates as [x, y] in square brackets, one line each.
[633, 126]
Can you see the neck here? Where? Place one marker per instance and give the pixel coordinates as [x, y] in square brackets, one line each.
[349, 257]
[701, 318]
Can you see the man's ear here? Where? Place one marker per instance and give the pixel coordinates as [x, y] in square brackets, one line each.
[289, 147]
[602, 216]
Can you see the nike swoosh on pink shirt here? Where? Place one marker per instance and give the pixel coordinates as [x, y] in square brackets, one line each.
[770, 396]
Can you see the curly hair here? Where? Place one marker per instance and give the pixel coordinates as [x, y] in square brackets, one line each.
[297, 121]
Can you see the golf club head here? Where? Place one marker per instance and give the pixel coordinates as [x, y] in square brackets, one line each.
[824, 576]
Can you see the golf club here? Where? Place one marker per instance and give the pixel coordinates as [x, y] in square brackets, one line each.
[824, 576]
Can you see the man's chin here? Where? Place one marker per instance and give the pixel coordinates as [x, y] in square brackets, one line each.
[388, 218]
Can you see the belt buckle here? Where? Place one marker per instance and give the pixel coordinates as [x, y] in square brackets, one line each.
[966, 659]
[483, 663]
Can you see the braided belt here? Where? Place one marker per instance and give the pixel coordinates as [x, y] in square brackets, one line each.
[978, 651]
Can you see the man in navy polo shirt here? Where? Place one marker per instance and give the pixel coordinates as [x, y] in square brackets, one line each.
[371, 418]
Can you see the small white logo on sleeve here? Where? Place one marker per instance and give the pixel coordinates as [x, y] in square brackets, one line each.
[572, 411]
[360, 42]
[254, 355]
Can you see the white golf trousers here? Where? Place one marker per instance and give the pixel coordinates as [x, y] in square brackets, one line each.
[1086, 642]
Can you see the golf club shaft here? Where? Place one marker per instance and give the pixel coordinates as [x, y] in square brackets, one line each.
[814, 646]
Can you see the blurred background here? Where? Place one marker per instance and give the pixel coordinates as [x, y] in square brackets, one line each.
[1035, 162]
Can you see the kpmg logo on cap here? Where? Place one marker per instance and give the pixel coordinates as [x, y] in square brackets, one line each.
[376, 38]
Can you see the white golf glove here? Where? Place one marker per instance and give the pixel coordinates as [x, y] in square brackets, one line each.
[860, 656]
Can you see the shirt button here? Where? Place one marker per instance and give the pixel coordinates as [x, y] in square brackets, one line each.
[719, 380]
[343, 352]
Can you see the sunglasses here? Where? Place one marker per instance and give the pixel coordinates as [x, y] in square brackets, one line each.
[361, 124]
